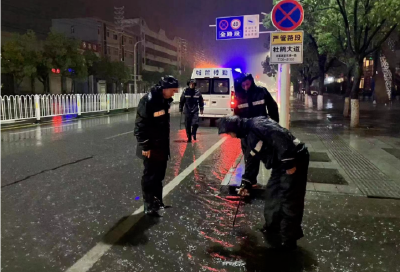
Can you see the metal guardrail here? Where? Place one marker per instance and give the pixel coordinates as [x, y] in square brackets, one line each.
[24, 107]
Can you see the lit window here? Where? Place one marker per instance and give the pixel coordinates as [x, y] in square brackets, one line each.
[94, 47]
[89, 46]
[84, 45]
[362, 83]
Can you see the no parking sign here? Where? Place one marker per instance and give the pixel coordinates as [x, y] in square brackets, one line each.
[287, 15]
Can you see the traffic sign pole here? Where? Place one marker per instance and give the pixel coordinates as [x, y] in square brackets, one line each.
[284, 94]
[286, 48]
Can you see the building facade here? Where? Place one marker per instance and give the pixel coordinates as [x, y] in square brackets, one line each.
[158, 52]
[100, 36]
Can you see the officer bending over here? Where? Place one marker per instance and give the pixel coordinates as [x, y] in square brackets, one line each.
[253, 101]
[278, 149]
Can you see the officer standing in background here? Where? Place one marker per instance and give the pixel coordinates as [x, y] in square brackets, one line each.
[253, 101]
[191, 101]
[152, 129]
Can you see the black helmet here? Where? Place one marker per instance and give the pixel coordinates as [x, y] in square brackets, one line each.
[245, 77]
[168, 82]
[191, 81]
[229, 124]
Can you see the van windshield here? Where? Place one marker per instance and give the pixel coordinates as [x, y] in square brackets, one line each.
[220, 86]
[203, 85]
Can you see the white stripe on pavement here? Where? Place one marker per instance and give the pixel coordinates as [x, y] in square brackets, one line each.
[129, 132]
[228, 176]
[93, 255]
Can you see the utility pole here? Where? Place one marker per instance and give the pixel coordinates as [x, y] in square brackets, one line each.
[134, 66]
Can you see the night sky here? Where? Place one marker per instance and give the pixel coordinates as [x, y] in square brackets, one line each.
[185, 18]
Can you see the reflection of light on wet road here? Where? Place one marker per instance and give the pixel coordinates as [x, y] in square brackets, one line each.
[57, 121]
[230, 150]
[329, 104]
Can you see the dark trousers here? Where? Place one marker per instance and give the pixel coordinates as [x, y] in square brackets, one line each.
[284, 202]
[251, 164]
[153, 175]
[191, 124]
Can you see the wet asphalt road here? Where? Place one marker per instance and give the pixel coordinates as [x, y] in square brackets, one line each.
[68, 185]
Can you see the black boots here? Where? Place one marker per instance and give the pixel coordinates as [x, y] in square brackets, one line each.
[152, 208]
[194, 131]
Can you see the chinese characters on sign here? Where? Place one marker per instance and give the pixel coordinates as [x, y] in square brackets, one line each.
[238, 27]
[287, 37]
[206, 73]
[287, 47]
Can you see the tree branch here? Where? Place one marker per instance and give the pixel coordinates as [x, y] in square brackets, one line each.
[314, 42]
[357, 35]
[379, 44]
[346, 24]
[329, 65]
[364, 46]
[313, 78]
[374, 33]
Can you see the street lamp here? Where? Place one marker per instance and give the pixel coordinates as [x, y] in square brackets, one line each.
[134, 66]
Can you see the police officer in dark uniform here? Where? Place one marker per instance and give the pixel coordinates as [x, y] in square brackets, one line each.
[152, 129]
[277, 148]
[253, 101]
[191, 101]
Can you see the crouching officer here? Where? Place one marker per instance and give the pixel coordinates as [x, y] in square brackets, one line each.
[152, 128]
[253, 101]
[277, 148]
[191, 101]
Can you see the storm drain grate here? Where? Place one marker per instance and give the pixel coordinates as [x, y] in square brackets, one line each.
[370, 180]
[319, 157]
[326, 176]
[393, 151]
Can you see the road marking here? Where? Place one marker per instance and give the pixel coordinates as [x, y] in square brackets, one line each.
[94, 254]
[129, 132]
[228, 176]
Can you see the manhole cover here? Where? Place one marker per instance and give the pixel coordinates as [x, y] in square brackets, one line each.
[319, 157]
[324, 175]
[393, 151]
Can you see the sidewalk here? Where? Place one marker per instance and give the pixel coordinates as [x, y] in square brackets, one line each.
[363, 161]
[367, 158]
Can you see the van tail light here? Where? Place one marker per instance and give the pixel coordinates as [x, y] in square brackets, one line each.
[233, 101]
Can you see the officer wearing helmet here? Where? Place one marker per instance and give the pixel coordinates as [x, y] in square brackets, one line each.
[152, 129]
[252, 101]
[191, 101]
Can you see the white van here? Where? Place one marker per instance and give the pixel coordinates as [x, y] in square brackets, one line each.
[217, 88]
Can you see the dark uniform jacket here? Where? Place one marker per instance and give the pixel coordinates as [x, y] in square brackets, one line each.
[190, 102]
[152, 125]
[274, 145]
[254, 102]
